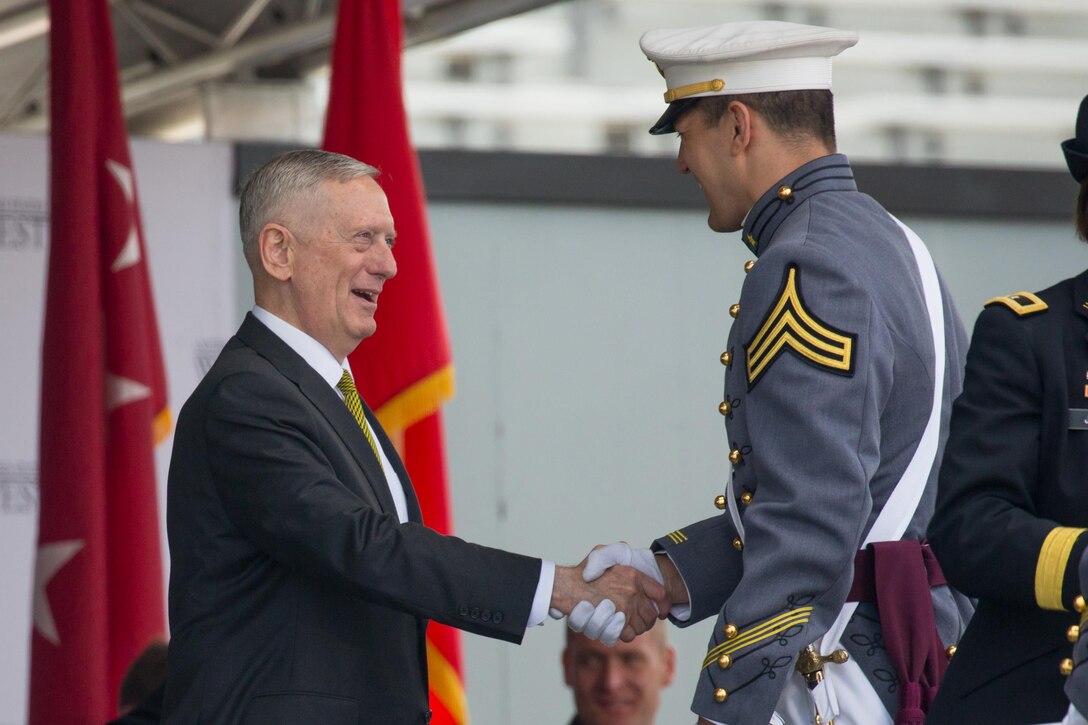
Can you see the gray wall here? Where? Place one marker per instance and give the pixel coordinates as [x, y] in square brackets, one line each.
[586, 343]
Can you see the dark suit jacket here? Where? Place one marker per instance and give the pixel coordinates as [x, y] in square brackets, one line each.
[296, 595]
[1014, 471]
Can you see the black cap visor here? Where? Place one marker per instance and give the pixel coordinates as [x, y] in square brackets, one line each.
[675, 110]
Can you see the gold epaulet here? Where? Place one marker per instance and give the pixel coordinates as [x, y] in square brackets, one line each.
[1022, 303]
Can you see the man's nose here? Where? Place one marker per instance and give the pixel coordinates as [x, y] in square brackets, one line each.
[612, 677]
[681, 165]
[386, 266]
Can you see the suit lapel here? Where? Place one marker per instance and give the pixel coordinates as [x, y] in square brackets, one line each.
[322, 396]
[414, 513]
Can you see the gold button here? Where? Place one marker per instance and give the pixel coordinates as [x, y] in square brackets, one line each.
[749, 264]
[727, 358]
[725, 662]
[719, 502]
[1066, 667]
[735, 457]
[734, 310]
[1078, 604]
[1073, 633]
[725, 407]
[950, 651]
[785, 193]
[746, 498]
[720, 695]
[738, 544]
[730, 631]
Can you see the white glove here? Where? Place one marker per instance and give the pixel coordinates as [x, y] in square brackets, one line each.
[602, 622]
[601, 560]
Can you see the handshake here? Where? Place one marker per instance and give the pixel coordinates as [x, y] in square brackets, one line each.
[616, 592]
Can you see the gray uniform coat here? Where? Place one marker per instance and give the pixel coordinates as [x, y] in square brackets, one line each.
[829, 381]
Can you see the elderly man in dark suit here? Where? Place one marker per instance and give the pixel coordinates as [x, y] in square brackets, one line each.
[302, 578]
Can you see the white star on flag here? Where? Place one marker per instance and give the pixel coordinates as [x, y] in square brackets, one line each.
[122, 391]
[51, 557]
[130, 253]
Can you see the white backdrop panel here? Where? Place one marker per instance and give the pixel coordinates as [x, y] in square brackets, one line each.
[188, 216]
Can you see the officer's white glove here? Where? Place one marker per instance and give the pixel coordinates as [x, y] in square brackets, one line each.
[602, 622]
[601, 560]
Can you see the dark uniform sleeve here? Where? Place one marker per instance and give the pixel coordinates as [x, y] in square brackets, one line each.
[986, 531]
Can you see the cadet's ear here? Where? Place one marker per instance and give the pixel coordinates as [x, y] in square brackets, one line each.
[276, 247]
[738, 120]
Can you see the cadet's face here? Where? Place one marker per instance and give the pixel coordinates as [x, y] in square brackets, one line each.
[705, 154]
[344, 258]
[618, 685]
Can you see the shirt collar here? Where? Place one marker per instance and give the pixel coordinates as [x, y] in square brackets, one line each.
[313, 352]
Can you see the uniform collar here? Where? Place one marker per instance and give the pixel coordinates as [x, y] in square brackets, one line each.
[827, 173]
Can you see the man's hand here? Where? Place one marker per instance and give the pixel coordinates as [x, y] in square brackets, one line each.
[627, 591]
[660, 567]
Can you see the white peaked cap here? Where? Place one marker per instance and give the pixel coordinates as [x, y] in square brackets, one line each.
[748, 57]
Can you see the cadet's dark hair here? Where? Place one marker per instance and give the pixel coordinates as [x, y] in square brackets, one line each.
[796, 116]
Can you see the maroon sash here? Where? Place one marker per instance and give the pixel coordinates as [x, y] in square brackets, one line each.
[897, 576]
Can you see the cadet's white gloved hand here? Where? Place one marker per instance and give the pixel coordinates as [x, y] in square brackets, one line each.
[602, 622]
[601, 560]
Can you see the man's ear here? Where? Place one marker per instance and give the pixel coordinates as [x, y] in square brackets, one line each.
[568, 667]
[738, 120]
[276, 247]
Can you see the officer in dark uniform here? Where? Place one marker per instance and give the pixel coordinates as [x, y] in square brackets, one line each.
[1011, 506]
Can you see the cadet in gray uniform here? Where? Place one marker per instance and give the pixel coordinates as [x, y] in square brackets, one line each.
[840, 367]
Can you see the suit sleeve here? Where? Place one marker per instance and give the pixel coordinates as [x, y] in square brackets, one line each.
[985, 530]
[280, 489]
[808, 449]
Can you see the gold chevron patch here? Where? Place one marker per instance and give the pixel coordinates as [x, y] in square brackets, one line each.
[1022, 303]
[792, 328]
[759, 633]
[678, 537]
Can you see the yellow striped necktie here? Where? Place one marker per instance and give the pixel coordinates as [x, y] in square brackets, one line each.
[355, 405]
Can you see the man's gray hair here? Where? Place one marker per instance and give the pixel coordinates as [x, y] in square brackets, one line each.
[289, 177]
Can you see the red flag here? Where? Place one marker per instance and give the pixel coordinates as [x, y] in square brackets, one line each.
[405, 369]
[98, 594]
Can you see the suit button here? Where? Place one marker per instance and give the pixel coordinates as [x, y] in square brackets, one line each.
[496, 617]
[725, 662]
[727, 358]
[1066, 667]
[725, 407]
[734, 310]
[1078, 604]
[730, 631]
[749, 264]
[1073, 633]
[486, 615]
[475, 613]
[719, 502]
[746, 498]
[950, 651]
[735, 457]
[785, 193]
[463, 611]
[720, 695]
[738, 544]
